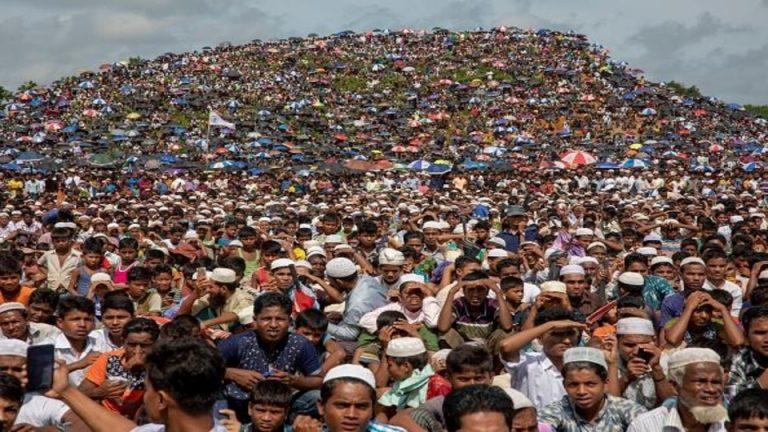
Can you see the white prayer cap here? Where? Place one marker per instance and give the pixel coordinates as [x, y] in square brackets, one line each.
[334, 238]
[99, 277]
[281, 263]
[13, 347]
[351, 371]
[661, 260]
[596, 244]
[410, 277]
[632, 278]
[131, 226]
[553, 286]
[652, 237]
[233, 243]
[310, 244]
[207, 275]
[406, 347]
[315, 250]
[519, 400]
[587, 259]
[340, 268]
[692, 260]
[736, 219]
[497, 253]
[763, 275]
[635, 326]
[304, 263]
[432, 225]
[223, 275]
[686, 356]
[571, 269]
[11, 306]
[583, 232]
[389, 256]
[342, 247]
[584, 354]
[647, 251]
[498, 241]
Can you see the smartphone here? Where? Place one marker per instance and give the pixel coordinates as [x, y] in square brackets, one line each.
[201, 273]
[220, 404]
[645, 355]
[40, 368]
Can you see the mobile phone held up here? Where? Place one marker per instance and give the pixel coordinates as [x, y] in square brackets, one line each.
[40, 368]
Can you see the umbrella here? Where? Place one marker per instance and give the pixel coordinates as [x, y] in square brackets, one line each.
[634, 163]
[419, 165]
[607, 165]
[648, 112]
[715, 148]
[101, 160]
[749, 167]
[28, 156]
[635, 146]
[578, 157]
[439, 169]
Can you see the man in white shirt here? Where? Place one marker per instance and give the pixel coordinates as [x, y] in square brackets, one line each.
[15, 325]
[74, 345]
[415, 303]
[36, 410]
[537, 375]
[697, 376]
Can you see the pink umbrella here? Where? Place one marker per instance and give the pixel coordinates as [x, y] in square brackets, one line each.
[578, 157]
[715, 148]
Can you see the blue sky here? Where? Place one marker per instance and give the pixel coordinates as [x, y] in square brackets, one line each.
[720, 46]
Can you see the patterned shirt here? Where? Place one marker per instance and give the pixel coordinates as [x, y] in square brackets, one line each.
[745, 371]
[615, 416]
[244, 351]
[655, 290]
[475, 326]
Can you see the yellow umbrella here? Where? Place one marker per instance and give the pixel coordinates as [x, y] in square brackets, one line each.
[635, 146]
[133, 116]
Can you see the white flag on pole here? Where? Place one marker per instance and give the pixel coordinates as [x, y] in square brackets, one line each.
[214, 119]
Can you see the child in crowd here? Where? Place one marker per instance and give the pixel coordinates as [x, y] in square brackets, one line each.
[128, 249]
[411, 375]
[268, 409]
[92, 258]
[312, 324]
[145, 300]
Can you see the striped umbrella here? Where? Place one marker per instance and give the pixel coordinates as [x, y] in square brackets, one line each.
[578, 157]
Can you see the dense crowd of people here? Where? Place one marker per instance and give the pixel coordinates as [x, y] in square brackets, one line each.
[313, 284]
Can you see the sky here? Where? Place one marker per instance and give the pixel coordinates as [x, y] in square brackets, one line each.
[719, 46]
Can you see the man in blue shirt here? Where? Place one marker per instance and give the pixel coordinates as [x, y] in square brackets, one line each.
[270, 352]
[514, 229]
[365, 294]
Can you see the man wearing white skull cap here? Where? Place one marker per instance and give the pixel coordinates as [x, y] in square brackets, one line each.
[697, 376]
[641, 374]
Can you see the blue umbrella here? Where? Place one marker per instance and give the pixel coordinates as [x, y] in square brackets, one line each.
[634, 163]
[439, 169]
[12, 166]
[607, 165]
[255, 171]
[29, 156]
[419, 165]
[749, 167]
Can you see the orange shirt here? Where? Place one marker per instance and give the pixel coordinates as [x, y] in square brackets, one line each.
[22, 296]
[109, 367]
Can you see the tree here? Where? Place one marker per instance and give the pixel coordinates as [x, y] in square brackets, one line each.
[5, 94]
[757, 110]
[29, 85]
[689, 92]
